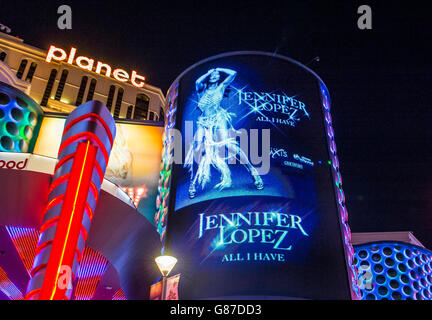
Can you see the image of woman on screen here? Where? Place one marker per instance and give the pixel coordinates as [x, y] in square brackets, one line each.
[212, 137]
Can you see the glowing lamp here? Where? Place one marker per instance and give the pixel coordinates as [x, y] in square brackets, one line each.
[165, 264]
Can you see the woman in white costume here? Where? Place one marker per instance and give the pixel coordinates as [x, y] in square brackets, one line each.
[212, 136]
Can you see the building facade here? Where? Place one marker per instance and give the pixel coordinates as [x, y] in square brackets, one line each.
[59, 86]
[38, 92]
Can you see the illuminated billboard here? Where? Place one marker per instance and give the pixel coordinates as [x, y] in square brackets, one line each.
[134, 162]
[250, 207]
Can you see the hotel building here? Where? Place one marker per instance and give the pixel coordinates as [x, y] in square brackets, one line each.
[59, 86]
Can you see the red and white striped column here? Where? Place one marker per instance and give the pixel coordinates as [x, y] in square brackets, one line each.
[83, 156]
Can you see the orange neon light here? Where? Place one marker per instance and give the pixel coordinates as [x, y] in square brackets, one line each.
[58, 54]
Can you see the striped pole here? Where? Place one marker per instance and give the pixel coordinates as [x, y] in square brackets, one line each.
[83, 156]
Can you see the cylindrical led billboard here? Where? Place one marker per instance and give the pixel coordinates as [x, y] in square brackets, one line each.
[250, 196]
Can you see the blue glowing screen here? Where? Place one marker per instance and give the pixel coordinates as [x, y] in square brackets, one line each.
[252, 210]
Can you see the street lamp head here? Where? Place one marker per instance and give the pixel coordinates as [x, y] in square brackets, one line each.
[165, 264]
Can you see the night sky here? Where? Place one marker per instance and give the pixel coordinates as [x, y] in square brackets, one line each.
[380, 80]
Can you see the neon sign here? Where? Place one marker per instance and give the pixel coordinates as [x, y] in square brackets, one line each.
[73, 195]
[13, 164]
[264, 228]
[265, 103]
[83, 62]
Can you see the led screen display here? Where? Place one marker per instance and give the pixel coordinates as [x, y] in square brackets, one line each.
[252, 206]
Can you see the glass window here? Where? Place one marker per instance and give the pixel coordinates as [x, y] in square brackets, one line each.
[118, 102]
[61, 84]
[152, 114]
[141, 107]
[91, 91]
[49, 87]
[161, 114]
[129, 112]
[81, 91]
[110, 97]
[21, 69]
[31, 72]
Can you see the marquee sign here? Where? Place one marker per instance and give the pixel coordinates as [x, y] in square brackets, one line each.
[83, 62]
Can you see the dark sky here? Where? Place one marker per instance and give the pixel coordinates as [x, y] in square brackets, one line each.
[380, 80]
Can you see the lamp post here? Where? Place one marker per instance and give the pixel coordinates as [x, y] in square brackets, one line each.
[165, 265]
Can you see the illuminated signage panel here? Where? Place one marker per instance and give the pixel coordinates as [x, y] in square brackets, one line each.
[252, 207]
[58, 54]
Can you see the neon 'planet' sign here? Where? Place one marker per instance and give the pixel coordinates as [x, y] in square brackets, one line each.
[83, 62]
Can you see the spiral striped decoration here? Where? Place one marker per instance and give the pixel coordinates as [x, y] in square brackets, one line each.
[83, 156]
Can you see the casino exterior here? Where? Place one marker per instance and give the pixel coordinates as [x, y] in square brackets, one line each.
[90, 194]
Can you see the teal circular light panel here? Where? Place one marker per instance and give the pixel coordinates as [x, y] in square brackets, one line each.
[19, 120]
